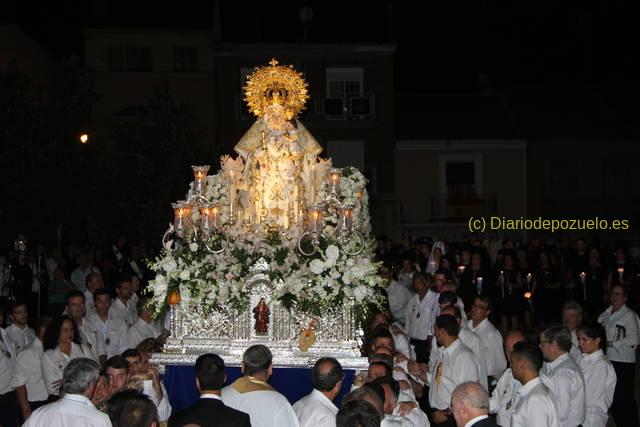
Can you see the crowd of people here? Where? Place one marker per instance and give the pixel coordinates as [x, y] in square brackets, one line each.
[478, 333]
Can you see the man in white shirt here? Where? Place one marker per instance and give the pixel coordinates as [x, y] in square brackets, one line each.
[79, 275]
[399, 297]
[566, 380]
[317, 409]
[145, 327]
[94, 282]
[74, 409]
[470, 406]
[119, 309]
[472, 341]
[18, 332]
[571, 319]
[456, 364]
[396, 412]
[112, 332]
[490, 337]
[9, 412]
[253, 395]
[623, 336]
[89, 336]
[533, 404]
[419, 317]
[31, 393]
[501, 402]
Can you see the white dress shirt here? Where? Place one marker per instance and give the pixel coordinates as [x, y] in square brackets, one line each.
[534, 407]
[622, 333]
[492, 342]
[420, 314]
[142, 330]
[112, 333]
[21, 338]
[119, 310]
[73, 410]
[456, 365]
[472, 421]
[399, 297]
[163, 406]
[28, 372]
[575, 352]
[54, 361]
[88, 302]
[132, 306]
[90, 338]
[567, 388]
[415, 418]
[266, 408]
[472, 341]
[503, 397]
[402, 344]
[316, 410]
[7, 365]
[600, 382]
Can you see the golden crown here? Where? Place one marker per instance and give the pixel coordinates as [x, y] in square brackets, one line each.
[276, 85]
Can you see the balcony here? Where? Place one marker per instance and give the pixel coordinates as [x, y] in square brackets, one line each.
[323, 108]
[449, 208]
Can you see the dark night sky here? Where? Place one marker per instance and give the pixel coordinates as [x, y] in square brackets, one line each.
[442, 46]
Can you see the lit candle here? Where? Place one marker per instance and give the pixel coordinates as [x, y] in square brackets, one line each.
[528, 295]
[312, 185]
[583, 279]
[502, 282]
[461, 269]
[479, 284]
[621, 274]
[215, 211]
[334, 177]
[205, 215]
[199, 174]
[314, 217]
[528, 280]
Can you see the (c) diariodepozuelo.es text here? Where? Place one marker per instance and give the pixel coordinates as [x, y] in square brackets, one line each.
[494, 223]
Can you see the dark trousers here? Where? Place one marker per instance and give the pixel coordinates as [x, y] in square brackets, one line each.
[624, 408]
[422, 350]
[8, 410]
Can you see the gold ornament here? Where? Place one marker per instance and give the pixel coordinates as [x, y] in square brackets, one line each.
[307, 338]
[276, 85]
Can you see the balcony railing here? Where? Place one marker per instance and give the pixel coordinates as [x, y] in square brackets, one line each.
[446, 207]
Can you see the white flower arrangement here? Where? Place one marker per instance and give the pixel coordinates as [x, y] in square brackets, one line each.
[327, 279]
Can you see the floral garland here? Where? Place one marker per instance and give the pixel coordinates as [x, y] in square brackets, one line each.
[327, 279]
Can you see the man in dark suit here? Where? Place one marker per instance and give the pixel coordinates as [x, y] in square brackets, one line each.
[209, 411]
[470, 406]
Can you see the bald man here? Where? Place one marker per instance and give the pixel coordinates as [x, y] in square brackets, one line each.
[502, 398]
[470, 406]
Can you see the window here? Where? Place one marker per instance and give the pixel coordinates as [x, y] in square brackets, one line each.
[185, 59]
[115, 57]
[344, 83]
[461, 179]
[138, 58]
[128, 58]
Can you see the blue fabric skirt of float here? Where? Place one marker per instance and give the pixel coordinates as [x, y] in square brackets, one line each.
[293, 383]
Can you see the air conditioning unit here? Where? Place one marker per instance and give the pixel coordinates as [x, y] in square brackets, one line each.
[334, 109]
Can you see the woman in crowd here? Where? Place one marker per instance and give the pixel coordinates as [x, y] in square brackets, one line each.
[599, 375]
[61, 345]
